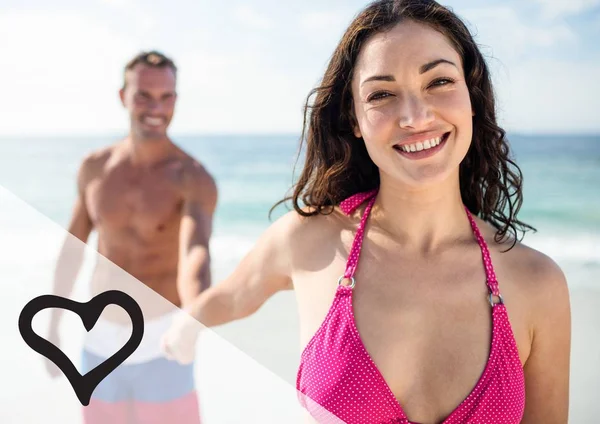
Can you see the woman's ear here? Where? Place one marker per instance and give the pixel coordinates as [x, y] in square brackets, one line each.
[354, 123]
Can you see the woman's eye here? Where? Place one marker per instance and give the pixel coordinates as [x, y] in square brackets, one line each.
[378, 96]
[441, 82]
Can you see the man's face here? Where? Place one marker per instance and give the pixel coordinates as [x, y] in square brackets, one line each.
[149, 96]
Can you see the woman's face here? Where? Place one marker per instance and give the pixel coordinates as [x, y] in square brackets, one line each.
[412, 105]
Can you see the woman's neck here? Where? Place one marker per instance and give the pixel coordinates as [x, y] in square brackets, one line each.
[422, 219]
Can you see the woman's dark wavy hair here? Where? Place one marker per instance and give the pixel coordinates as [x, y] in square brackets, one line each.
[337, 164]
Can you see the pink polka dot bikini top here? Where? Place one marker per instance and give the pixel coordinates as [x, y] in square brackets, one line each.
[338, 382]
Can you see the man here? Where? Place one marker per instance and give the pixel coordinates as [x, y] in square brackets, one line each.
[151, 205]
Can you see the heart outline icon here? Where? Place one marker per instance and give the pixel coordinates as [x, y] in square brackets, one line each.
[89, 312]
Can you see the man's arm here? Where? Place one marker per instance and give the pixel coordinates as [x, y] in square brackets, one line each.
[71, 254]
[548, 367]
[200, 201]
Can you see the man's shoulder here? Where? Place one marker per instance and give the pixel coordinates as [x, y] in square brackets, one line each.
[195, 175]
[102, 153]
[198, 185]
[93, 163]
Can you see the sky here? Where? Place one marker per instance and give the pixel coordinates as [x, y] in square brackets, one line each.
[247, 67]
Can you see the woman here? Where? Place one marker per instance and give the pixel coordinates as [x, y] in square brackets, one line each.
[417, 302]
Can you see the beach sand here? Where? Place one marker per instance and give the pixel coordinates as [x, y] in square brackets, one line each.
[585, 356]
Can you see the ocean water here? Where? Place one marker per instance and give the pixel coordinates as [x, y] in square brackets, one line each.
[561, 188]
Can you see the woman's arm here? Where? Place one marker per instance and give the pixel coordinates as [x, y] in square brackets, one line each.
[548, 367]
[264, 271]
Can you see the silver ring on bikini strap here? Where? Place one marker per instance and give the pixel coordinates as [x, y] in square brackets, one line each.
[351, 279]
[491, 299]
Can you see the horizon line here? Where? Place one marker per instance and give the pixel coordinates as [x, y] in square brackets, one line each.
[583, 133]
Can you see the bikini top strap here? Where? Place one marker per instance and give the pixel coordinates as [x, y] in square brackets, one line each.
[492, 282]
[348, 206]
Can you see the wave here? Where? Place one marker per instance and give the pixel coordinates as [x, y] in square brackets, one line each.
[578, 247]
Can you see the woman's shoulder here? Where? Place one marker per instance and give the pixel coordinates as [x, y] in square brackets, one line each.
[300, 238]
[532, 275]
[309, 226]
[519, 261]
[532, 268]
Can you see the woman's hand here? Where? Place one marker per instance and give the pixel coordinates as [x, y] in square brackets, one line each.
[179, 341]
